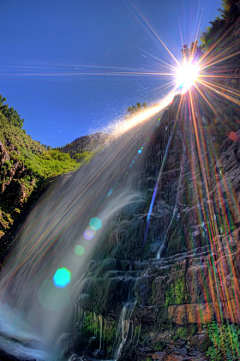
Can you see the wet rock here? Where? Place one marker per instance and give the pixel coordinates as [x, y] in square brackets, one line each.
[194, 313]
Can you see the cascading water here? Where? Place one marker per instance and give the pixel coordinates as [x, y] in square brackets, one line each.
[39, 284]
[123, 327]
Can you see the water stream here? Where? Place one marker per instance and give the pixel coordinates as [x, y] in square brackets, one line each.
[123, 328]
[39, 282]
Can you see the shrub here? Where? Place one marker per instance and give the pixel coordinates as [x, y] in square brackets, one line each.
[225, 341]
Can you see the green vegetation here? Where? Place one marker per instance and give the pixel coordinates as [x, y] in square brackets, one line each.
[160, 346]
[84, 148]
[137, 330]
[83, 157]
[176, 293]
[34, 156]
[225, 341]
[92, 328]
[26, 166]
[135, 109]
[228, 14]
[185, 332]
[11, 114]
[182, 334]
[109, 332]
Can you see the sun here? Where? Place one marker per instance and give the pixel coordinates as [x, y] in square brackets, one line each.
[186, 75]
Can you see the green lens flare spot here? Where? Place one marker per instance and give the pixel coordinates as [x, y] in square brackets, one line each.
[95, 223]
[79, 250]
[62, 277]
[53, 298]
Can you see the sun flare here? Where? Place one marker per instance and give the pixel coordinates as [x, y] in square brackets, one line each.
[186, 76]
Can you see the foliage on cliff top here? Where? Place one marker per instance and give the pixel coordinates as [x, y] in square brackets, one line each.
[229, 12]
[10, 113]
[39, 161]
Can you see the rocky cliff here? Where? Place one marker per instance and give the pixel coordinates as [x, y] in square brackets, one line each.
[172, 292]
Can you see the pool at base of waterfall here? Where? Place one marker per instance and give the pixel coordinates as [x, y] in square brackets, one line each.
[14, 350]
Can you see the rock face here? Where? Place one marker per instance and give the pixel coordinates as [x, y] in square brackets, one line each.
[164, 293]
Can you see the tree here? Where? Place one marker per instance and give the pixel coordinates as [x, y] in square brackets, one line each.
[194, 52]
[185, 52]
[139, 106]
[135, 109]
[230, 12]
[10, 113]
[2, 100]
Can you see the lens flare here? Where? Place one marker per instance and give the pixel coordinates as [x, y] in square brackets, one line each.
[95, 223]
[186, 76]
[79, 250]
[62, 277]
[89, 233]
[53, 298]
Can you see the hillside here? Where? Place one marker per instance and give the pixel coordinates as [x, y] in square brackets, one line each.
[82, 147]
[26, 169]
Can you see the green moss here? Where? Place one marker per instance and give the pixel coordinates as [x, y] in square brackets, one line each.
[160, 346]
[92, 328]
[137, 330]
[109, 332]
[167, 325]
[182, 334]
[176, 292]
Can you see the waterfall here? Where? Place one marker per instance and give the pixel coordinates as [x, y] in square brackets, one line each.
[123, 327]
[39, 282]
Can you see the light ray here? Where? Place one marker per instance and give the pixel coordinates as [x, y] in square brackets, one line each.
[233, 100]
[220, 60]
[206, 54]
[210, 105]
[146, 22]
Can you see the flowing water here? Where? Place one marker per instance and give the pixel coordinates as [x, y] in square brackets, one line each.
[123, 327]
[40, 278]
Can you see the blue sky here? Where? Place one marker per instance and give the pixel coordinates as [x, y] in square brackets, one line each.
[51, 51]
